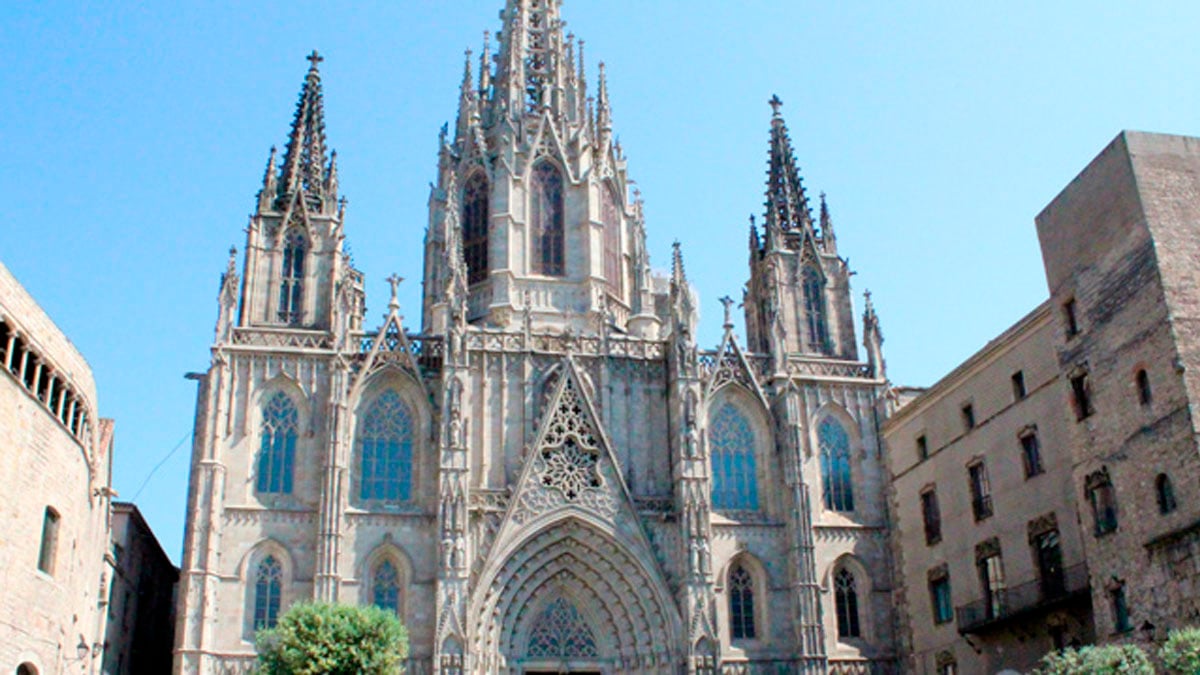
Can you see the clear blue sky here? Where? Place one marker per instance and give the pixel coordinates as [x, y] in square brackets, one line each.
[134, 139]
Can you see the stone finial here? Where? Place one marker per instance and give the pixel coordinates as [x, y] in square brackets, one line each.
[728, 304]
[314, 58]
[394, 280]
[776, 103]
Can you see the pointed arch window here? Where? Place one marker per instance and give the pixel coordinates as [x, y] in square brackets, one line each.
[814, 308]
[546, 220]
[610, 213]
[732, 445]
[268, 592]
[385, 450]
[845, 592]
[475, 227]
[277, 452]
[834, 444]
[741, 603]
[385, 586]
[291, 277]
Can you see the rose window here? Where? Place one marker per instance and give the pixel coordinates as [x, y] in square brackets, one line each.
[570, 468]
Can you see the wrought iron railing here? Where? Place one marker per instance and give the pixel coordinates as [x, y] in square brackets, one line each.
[1008, 603]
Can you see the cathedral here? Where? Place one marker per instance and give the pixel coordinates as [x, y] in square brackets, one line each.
[549, 474]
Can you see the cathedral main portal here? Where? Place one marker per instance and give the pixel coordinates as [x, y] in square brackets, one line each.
[572, 598]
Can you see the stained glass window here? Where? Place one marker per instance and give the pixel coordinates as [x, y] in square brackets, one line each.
[834, 444]
[277, 452]
[475, 227]
[611, 215]
[385, 448]
[560, 632]
[546, 219]
[846, 600]
[385, 586]
[291, 278]
[814, 309]
[734, 479]
[741, 603]
[268, 592]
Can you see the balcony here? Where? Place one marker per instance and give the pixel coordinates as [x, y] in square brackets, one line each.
[1023, 600]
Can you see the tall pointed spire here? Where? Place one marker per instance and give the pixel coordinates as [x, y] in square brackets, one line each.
[467, 106]
[304, 160]
[787, 205]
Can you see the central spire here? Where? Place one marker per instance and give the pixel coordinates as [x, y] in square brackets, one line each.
[530, 68]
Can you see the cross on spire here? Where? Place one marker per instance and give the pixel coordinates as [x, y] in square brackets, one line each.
[314, 58]
[775, 104]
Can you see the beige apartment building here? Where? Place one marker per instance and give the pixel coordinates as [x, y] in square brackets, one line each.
[990, 557]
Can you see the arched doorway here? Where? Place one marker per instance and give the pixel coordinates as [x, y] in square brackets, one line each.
[571, 598]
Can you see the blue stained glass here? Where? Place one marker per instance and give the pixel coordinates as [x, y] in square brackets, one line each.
[741, 604]
[385, 587]
[385, 446]
[291, 282]
[277, 452]
[732, 444]
[834, 444]
[268, 593]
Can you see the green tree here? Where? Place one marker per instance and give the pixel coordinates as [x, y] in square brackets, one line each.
[330, 639]
[1181, 652]
[1097, 660]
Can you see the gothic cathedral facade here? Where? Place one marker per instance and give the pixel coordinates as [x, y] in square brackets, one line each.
[550, 475]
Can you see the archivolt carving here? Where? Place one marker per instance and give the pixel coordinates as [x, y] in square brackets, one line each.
[632, 617]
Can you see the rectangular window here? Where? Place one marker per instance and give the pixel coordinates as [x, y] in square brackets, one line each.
[939, 596]
[1070, 318]
[968, 415]
[931, 515]
[1120, 610]
[1018, 385]
[1104, 507]
[49, 541]
[1081, 395]
[981, 491]
[1048, 554]
[1031, 453]
[991, 579]
[922, 447]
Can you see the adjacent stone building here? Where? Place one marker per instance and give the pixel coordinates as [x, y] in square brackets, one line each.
[990, 562]
[56, 465]
[1094, 540]
[1121, 245]
[141, 606]
[551, 476]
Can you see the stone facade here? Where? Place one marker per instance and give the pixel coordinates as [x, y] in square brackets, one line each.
[141, 606]
[551, 474]
[57, 462]
[1108, 367]
[947, 520]
[1120, 245]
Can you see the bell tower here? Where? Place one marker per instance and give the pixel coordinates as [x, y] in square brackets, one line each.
[536, 189]
[798, 297]
[294, 244]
